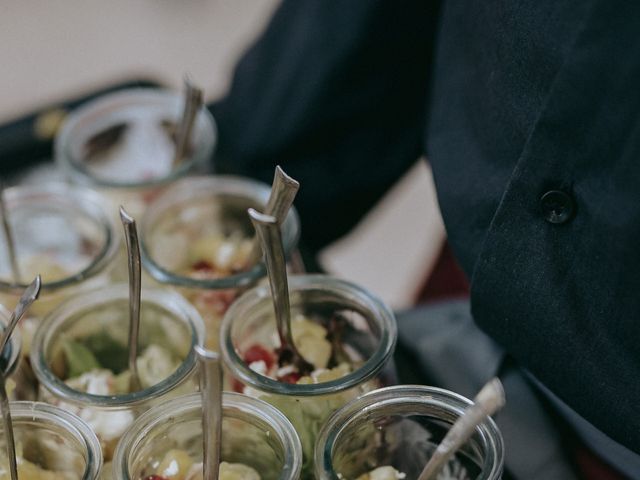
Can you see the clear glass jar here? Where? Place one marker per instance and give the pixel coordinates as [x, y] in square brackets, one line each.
[96, 385]
[51, 443]
[64, 234]
[123, 145]
[253, 433]
[400, 427]
[367, 336]
[189, 227]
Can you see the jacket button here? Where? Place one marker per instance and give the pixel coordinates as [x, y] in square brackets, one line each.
[557, 206]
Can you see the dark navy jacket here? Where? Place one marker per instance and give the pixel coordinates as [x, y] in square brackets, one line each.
[529, 113]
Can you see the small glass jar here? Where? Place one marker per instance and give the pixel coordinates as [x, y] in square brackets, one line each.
[63, 234]
[367, 335]
[80, 356]
[51, 443]
[123, 144]
[197, 237]
[400, 427]
[253, 433]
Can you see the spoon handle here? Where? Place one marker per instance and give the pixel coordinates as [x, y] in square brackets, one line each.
[271, 241]
[192, 103]
[488, 401]
[8, 428]
[283, 191]
[29, 296]
[135, 285]
[211, 390]
[8, 235]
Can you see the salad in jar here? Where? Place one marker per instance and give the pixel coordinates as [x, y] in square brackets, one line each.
[51, 444]
[80, 356]
[344, 332]
[197, 237]
[257, 442]
[63, 234]
[391, 433]
[179, 465]
[124, 144]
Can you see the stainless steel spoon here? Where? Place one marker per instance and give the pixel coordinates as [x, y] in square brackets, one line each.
[8, 235]
[8, 428]
[211, 391]
[28, 297]
[271, 241]
[192, 103]
[489, 400]
[283, 191]
[135, 285]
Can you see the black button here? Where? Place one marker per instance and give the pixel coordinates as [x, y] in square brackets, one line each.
[557, 206]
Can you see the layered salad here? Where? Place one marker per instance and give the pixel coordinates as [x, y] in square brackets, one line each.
[89, 354]
[179, 465]
[203, 243]
[318, 338]
[317, 344]
[42, 455]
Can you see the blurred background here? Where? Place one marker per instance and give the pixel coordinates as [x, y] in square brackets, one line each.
[56, 52]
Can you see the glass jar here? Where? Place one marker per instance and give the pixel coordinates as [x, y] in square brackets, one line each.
[64, 234]
[253, 433]
[197, 237]
[51, 443]
[366, 333]
[80, 356]
[123, 144]
[400, 427]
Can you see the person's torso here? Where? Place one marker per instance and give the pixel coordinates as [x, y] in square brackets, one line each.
[529, 98]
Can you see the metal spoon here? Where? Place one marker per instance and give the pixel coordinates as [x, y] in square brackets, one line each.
[211, 391]
[8, 428]
[133, 254]
[283, 191]
[489, 400]
[271, 241]
[8, 235]
[28, 297]
[192, 103]
[30, 294]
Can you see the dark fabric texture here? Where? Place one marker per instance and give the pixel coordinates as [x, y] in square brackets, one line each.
[334, 92]
[509, 99]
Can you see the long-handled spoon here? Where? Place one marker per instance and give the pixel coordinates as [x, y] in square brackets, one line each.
[8, 428]
[283, 191]
[133, 254]
[28, 297]
[211, 391]
[489, 400]
[192, 103]
[8, 235]
[271, 241]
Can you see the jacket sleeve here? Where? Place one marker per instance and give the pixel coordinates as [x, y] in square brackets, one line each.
[335, 92]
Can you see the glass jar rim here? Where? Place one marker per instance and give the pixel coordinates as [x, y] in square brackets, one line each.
[397, 396]
[184, 190]
[261, 294]
[129, 96]
[32, 411]
[231, 401]
[75, 197]
[15, 342]
[169, 300]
